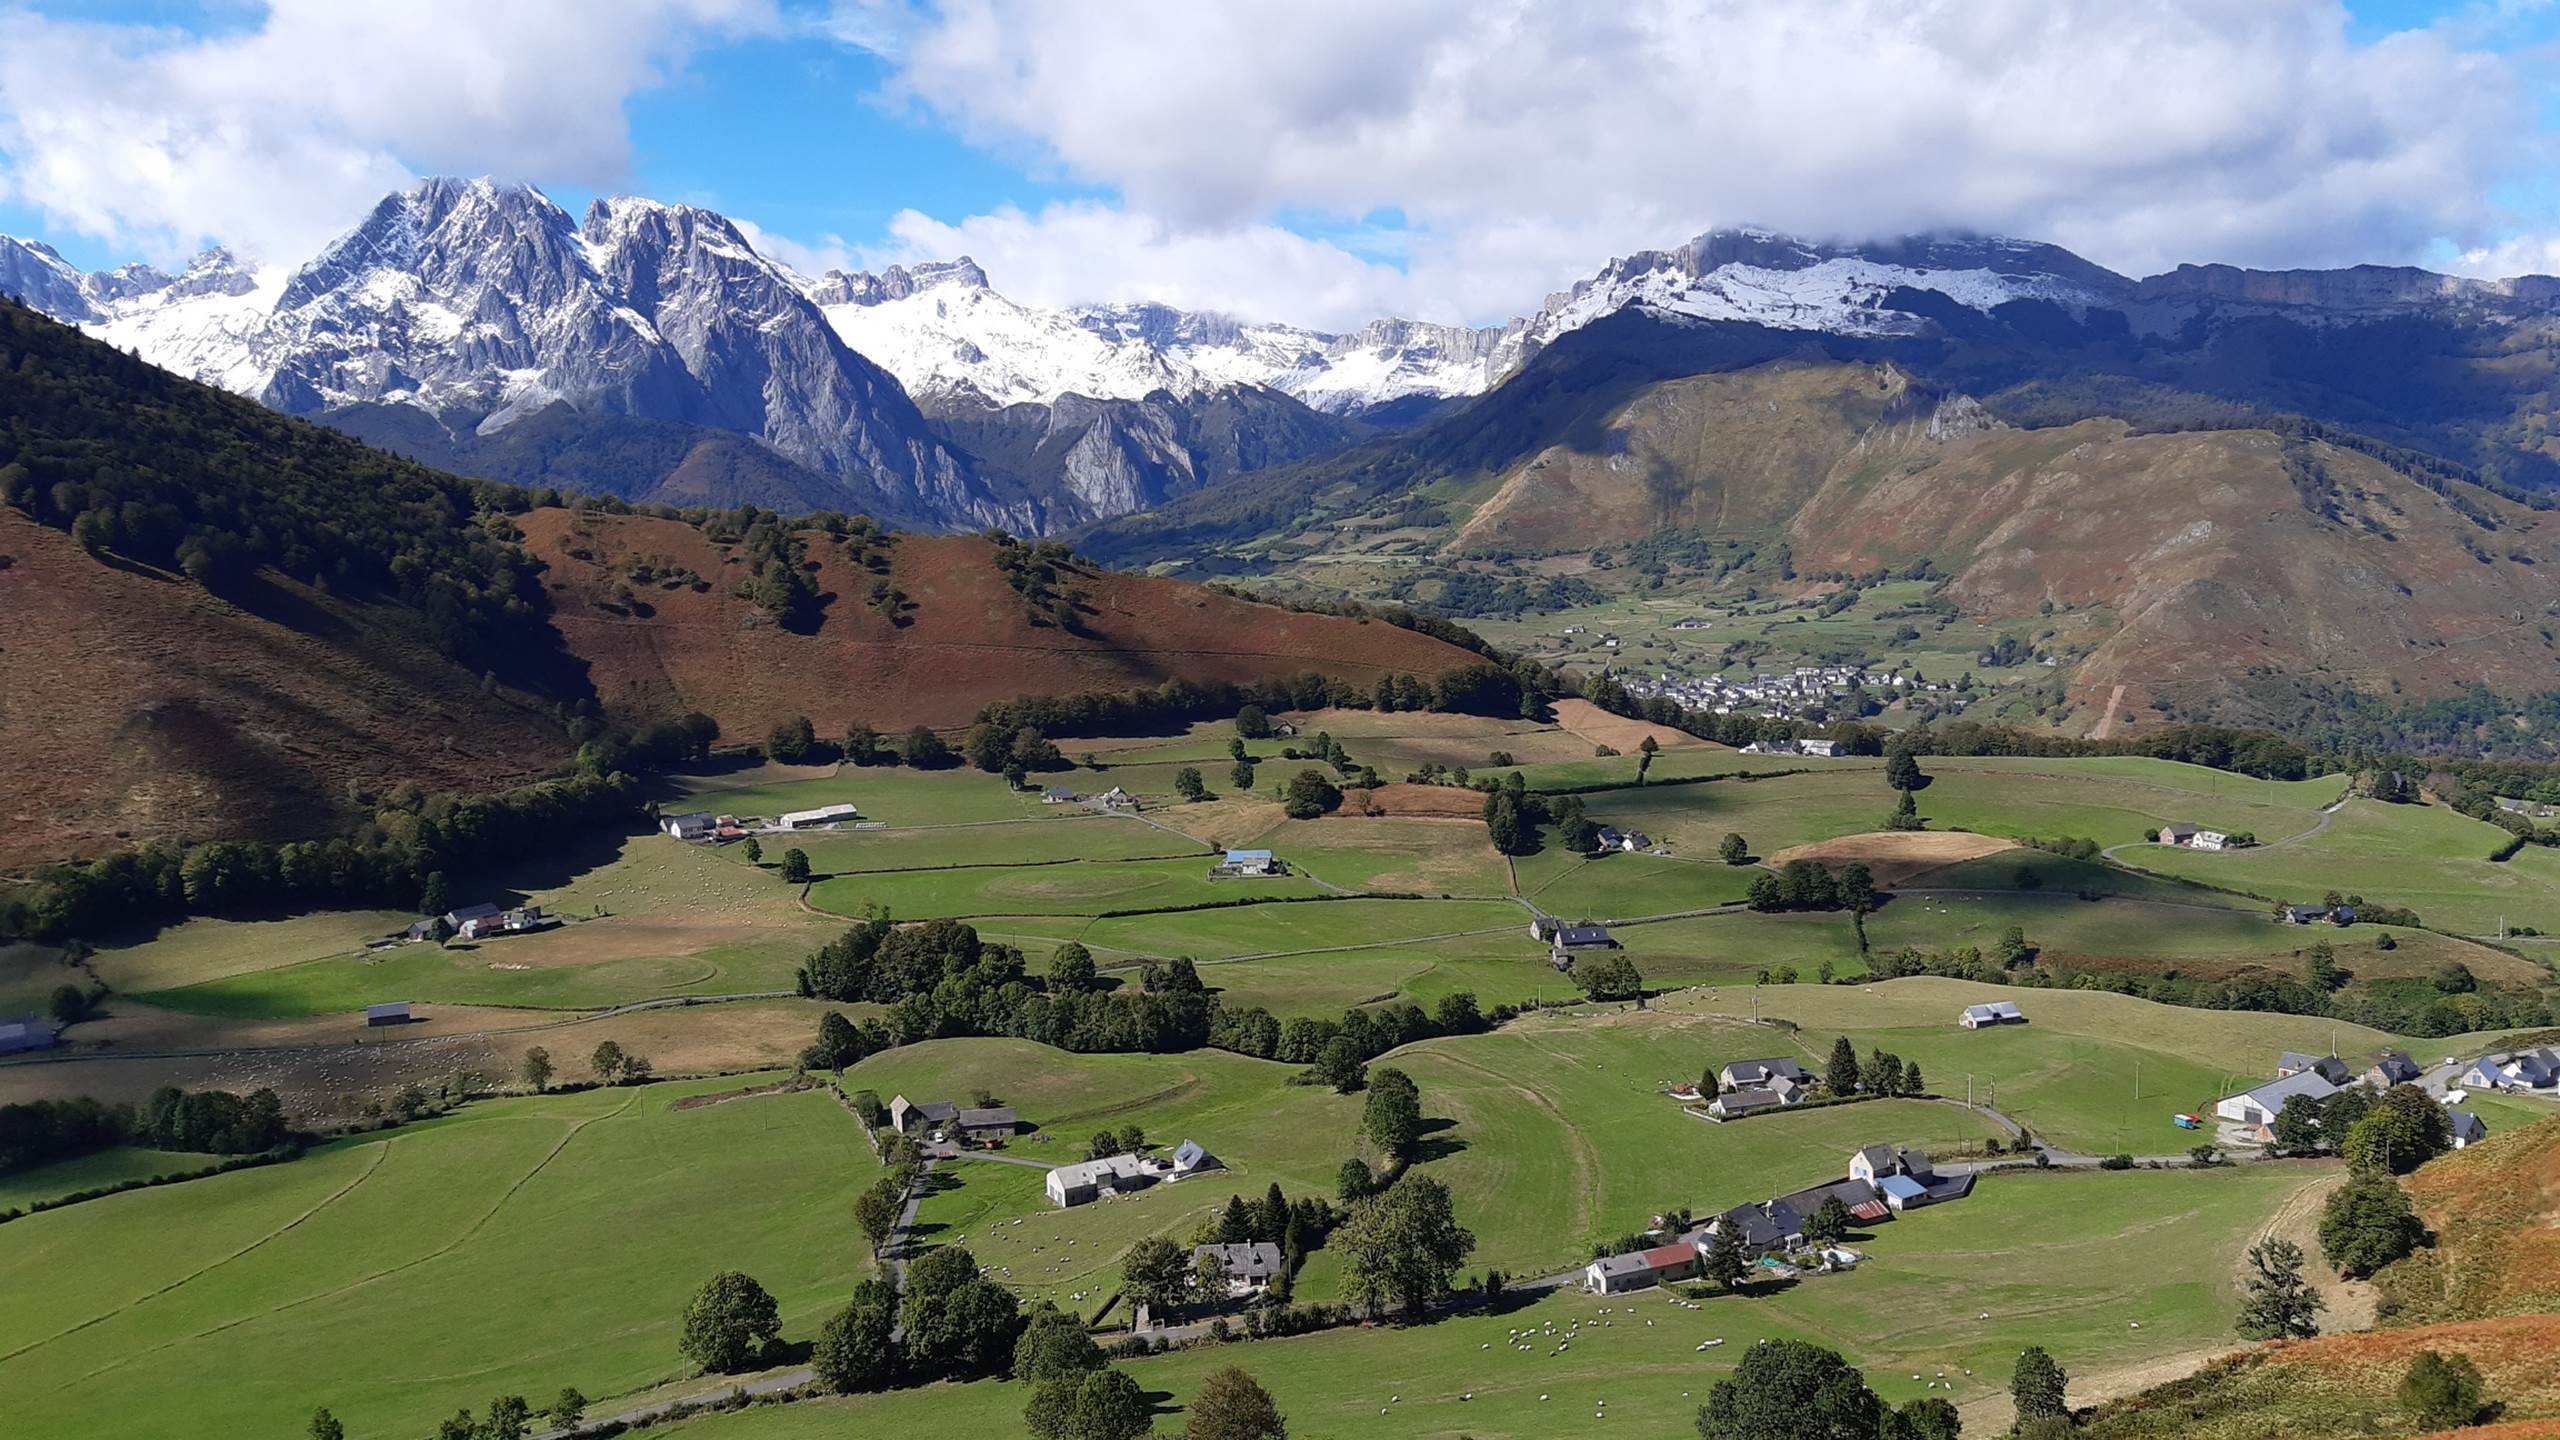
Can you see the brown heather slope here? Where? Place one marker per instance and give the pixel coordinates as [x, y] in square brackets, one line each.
[2215, 551]
[2484, 1291]
[135, 705]
[967, 640]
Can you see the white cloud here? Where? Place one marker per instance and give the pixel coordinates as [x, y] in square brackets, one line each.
[1524, 141]
[275, 137]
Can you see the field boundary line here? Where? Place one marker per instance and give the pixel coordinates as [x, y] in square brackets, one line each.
[189, 1278]
[473, 1229]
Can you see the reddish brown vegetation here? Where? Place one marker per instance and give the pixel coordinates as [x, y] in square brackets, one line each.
[967, 638]
[138, 706]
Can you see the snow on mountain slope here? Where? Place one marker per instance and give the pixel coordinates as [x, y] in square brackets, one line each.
[1759, 278]
[483, 303]
[954, 340]
[951, 339]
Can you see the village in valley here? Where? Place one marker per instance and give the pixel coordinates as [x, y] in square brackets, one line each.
[1201, 1064]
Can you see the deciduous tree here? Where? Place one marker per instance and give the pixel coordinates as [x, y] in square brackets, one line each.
[855, 1351]
[1790, 1390]
[2444, 1391]
[1232, 1405]
[730, 1322]
[536, 1069]
[1404, 1244]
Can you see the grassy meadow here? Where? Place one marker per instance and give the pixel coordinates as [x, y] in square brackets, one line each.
[518, 1245]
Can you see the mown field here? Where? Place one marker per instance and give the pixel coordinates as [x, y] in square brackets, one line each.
[1949, 1291]
[91, 1172]
[517, 1246]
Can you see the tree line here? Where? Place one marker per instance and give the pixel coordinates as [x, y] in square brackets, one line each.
[208, 1122]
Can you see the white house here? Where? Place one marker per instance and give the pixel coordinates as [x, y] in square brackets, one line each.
[2261, 1105]
[2210, 840]
[1070, 1185]
[1640, 1269]
[1827, 749]
[1250, 1268]
[2522, 1070]
[693, 825]
[1246, 863]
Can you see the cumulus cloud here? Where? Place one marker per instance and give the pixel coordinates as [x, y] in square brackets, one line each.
[274, 137]
[1523, 140]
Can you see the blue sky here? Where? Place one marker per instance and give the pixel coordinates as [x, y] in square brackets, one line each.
[1320, 162]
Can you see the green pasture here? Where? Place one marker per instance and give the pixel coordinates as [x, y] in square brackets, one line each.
[1622, 886]
[2432, 861]
[489, 973]
[1561, 1137]
[1315, 925]
[1386, 853]
[891, 794]
[91, 1172]
[1074, 888]
[1947, 1290]
[516, 1247]
[1027, 842]
[2090, 1071]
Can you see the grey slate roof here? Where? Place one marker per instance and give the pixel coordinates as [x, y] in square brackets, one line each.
[1259, 1260]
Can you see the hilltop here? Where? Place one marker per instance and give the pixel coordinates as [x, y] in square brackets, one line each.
[950, 634]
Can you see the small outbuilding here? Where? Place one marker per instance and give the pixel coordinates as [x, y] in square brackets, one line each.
[27, 1032]
[1997, 1012]
[396, 1013]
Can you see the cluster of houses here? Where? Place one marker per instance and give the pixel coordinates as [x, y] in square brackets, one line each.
[1882, 1182]
[2189, 837]
[484, 922]
[27, 1032]
[1114, 798]
[1564, 940]
[1803, 691]
[947, 1122]
[1819, 749]
[2317, 1077]
[1248, 865]
[1090, 1180]
[703, 825]
[2513, 1070]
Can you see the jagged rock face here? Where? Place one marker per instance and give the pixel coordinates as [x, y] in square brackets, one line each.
[36, 277]
[484, 303]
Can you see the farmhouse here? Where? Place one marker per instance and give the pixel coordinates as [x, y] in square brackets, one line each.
[2178, 833]
[454, 920]
[1057, 795]
[823, 815]
[2262, 1105]
[2394, 1068]
[1755, 1074]
[1115, 798]
[2467, 1128]
[505, 922]
[1570, 940]
[1242, 864]
[1250, 1268]
[396, 1013]
[1827, 749]
[1733, 1103]
[692, 825]
[2314, 914]
[2327, 1067]
[1071, 1185]
[1858, 1197]
[1640, 1269]
[1998, 1012]
[26, 1032]
[955, 1123]
[1760, 1229]
[1625, 840]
